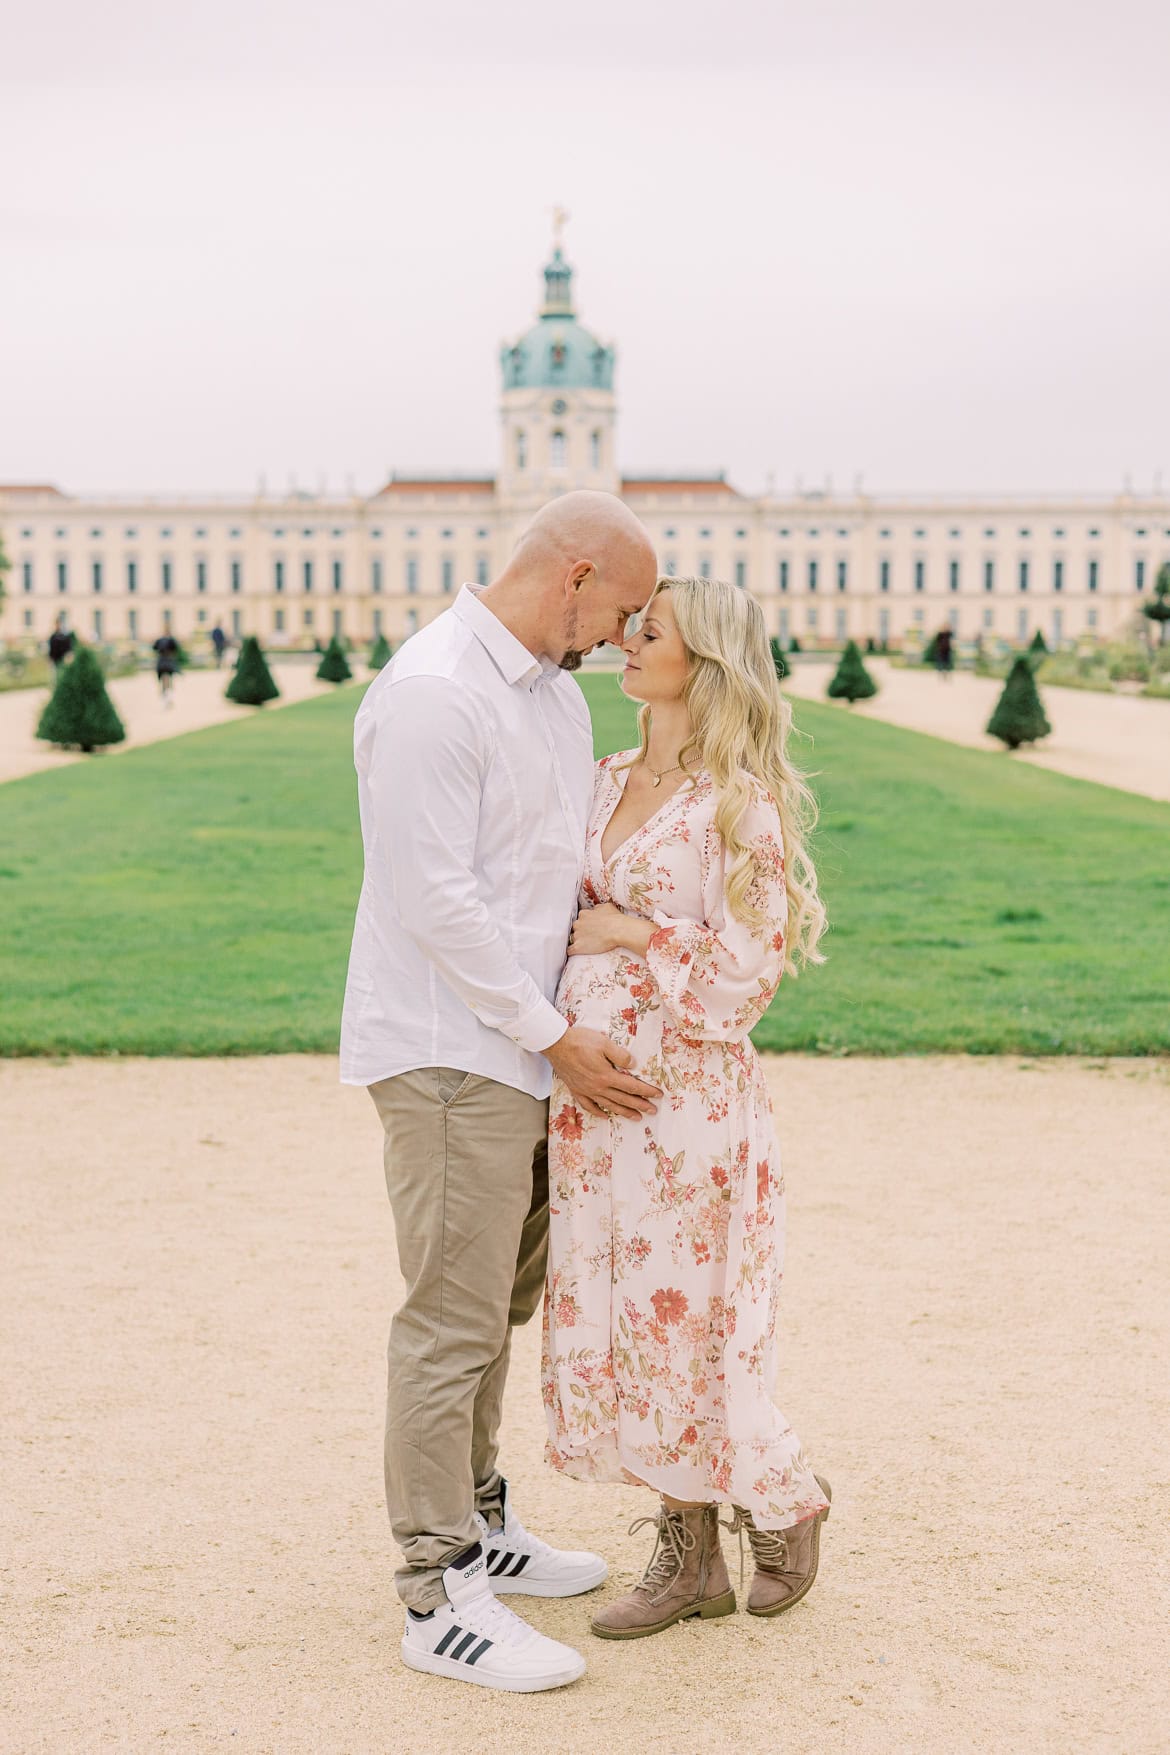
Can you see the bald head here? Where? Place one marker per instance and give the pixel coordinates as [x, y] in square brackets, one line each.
[586, 524]
[581, 568]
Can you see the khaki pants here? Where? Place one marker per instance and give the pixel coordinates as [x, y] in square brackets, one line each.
[467, 1174]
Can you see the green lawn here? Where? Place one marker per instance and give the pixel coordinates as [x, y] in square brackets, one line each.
[197, 896]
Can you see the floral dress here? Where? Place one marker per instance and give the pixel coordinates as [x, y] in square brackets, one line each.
[666, 1232]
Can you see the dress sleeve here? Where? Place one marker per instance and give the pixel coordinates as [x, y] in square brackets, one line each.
[717, 976]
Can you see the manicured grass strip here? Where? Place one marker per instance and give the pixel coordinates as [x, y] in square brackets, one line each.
[197, 896]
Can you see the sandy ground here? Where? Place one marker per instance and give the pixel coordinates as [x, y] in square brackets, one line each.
[198, 701]
[195, 1553]
[1119, 740]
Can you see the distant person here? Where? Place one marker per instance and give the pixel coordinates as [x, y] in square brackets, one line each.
[944, 652]
[60, 646]
[166, 649]
[219, 642]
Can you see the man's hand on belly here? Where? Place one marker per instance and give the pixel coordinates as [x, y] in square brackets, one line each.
[593, 1067]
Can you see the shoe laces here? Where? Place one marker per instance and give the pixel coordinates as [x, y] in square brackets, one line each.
[769, 1547]
[674, 1542]
[488, 1616]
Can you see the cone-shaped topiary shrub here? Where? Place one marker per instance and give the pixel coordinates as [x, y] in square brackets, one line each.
[1158, 608]
[930, 651]
[852, 682]
[1019, 715]
[334, 667]
[80, 711]
[1039, 644]
[778, 658]
[794, 644]
[380, 653]
[253, 682]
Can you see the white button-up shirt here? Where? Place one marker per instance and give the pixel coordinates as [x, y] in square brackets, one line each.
[475, 775]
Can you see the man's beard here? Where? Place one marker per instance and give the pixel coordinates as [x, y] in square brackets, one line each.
[572, 661]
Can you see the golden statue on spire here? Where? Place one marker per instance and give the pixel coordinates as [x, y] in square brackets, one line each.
[560, 218]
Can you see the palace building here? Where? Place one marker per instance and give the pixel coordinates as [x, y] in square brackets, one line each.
[824, 566]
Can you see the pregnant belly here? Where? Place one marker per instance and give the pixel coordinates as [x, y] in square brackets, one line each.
[615, 993]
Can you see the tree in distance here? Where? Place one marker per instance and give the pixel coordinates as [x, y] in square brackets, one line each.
[1039, 646]
[334, 666]
[852, 682]
[252, 683]
[1158, 608]
[380, 653]
[794, 644]
[79, 710]
[778, 658]
[1019, 715]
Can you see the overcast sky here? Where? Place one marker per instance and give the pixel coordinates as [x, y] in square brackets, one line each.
[926, 243]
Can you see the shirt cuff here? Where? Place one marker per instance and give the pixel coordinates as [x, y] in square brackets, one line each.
[541, 1027]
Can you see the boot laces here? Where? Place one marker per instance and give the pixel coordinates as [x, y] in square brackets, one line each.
[674, 1542]
[769, 1548]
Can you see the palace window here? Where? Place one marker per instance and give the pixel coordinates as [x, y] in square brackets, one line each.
[337, 575]
[954, 575]
[97, 575]
[1091, 618]
[166, 576]
[307, 574]
[783, 580]
[447, 575]
[278, 575]
[595, 450]
[842, 574]
[741, 574]
[412, 575]
[811, 616]
[919, 534]
[884, 576]
[521, 450]
[670, 567]
[26, 574]
[201, 575]
[1023, 575]
[337, 624]
[132, 623]
[97, 624]
[989, 575]
[376, 576]
[812, 573]
[741, 534]
[920, 575]
[132, 577]
[705, 567]
[1058, 575]
[1093, 576]
[278, 621]
[237, 623]
[237, 576]
[1022, 625]
[62, 575]
[842, 621]
[307, 617]
[556, 451]
[1139, 572]
[411, 622]
[377, 624]
[481, 570]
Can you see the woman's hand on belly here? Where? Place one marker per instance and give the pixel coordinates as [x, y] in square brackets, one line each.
[606, 928]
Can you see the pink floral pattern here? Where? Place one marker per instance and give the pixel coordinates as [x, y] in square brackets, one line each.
[666, 1234]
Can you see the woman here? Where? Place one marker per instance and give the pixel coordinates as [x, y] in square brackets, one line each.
[666, 1231]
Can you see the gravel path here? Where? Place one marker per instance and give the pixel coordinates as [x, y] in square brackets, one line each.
[193, 1544]
[1118, 740]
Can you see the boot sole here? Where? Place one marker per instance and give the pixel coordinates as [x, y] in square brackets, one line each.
[708, 1611]
[791, 1602]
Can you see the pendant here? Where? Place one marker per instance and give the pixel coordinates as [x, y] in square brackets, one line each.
[657, 780]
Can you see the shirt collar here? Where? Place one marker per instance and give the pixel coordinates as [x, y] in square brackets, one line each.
[515, 663]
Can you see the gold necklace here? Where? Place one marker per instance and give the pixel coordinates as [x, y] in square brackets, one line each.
[658, 778]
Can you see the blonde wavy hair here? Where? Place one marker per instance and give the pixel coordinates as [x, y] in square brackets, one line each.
[741, 722]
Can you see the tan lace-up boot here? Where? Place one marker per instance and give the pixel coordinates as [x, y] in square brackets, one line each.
[687, 1575]
[786, 1560]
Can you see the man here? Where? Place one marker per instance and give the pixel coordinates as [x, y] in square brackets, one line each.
[166, 663]
[60, 646]
[475, 767]
[219, 644]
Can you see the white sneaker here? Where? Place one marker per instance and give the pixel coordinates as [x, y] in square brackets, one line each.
[521, 1564]
[474, 1638]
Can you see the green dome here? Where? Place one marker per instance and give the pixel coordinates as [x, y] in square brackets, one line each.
[557, 353]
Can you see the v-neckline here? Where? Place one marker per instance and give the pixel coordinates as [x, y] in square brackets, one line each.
[607, 860]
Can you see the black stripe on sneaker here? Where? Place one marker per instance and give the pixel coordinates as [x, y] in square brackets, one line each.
[467, 1640]
[472, 1656]
[519, 1566]
[451, 1633]
[498, 1562]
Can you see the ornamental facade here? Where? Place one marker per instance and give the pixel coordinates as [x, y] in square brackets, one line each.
[300, 567]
